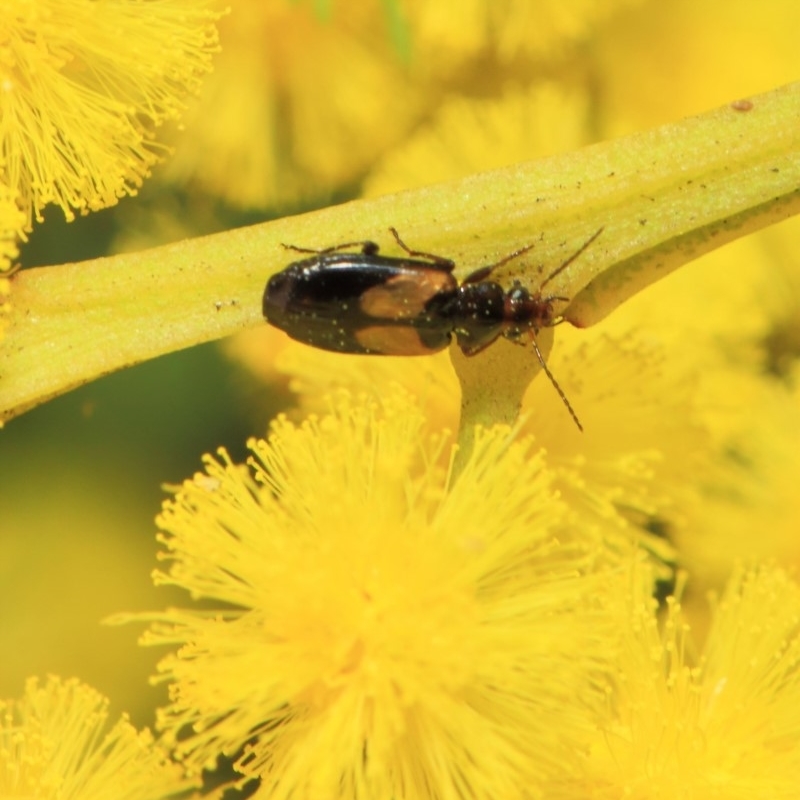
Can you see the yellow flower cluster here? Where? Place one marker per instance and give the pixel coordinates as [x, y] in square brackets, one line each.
[376, 626]
[666, 392]
[83, 90]
[56, 742]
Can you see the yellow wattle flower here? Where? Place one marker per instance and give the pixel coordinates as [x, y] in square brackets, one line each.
[371, 629]
[83, 86]
[56, 742]
[721, 726]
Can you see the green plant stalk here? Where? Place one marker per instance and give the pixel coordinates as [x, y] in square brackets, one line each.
[662, 197]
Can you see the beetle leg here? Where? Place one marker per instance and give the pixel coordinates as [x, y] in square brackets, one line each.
[368, 248]
[472, 345]
[437, 261]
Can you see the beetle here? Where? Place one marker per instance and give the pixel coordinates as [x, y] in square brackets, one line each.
[367, 303]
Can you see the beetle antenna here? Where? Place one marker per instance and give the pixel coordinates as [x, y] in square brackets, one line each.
[563, 266]
[552, 377]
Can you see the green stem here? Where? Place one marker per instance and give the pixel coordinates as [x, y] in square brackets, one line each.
[662, 197]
